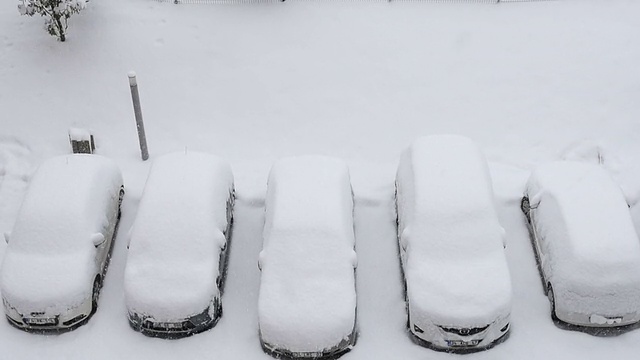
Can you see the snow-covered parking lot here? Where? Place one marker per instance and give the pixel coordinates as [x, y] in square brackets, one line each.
[529, 82]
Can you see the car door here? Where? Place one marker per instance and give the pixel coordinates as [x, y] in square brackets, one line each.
[540, 245]
[107, 230]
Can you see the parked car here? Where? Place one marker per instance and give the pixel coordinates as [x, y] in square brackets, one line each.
[177, 257]
[307, 300]
[58, 252]
[585, 243]
[451, 245]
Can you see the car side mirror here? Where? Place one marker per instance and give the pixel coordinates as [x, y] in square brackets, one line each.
[129, 237]
[260, 257]
[97, 239]
[6, 237]
[404, 239]
[354, 259]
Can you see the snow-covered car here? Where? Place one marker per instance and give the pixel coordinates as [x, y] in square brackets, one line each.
[177, 257]
[307, 300]
[585, 244]
[451, 245]
[58, 252]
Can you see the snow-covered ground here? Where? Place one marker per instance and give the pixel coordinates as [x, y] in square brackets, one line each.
[251, 83]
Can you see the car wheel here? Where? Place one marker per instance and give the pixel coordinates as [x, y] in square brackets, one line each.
[525, 206]
[95, 294]
[404, 290]
[120, 197]
[552, 301]
[218, 305]
[395, 202]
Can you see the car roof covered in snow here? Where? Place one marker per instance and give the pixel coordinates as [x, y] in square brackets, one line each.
[49, 258]
[65, 203]
[456, 269]
[177, 236]
[307, 292]
[584, 218]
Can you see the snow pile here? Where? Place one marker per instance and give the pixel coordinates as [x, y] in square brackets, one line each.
[455, 266]
[585, 151]
[307, 300]
[584, 226]
[79, 134]
[177, 236]
[49, 262]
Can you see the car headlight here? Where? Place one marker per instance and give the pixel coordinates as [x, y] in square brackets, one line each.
[9, 309]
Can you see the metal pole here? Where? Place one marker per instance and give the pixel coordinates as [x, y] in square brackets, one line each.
[133, 83]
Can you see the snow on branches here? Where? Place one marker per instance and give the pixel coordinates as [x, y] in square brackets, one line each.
[57, 13]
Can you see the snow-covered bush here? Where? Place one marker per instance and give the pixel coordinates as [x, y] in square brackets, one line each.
[57, 13]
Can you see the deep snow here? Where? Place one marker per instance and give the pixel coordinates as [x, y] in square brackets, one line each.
[51, 261]
[454, 258]
[307, 299]
[177, 237]
[529, 82]
[585, 233]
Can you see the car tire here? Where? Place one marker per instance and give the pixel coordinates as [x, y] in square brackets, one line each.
[395, 203]
[95, 293]
[218, 305]
[552, 301]
[525, 206]
[120, 198]
[404, 290]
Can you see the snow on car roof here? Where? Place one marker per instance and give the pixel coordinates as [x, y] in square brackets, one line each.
[65, 204]
[176, 239]
[49, 258]
[320, 186]
[583, 215]
[449, 181]
[456, 269]
[307, 293]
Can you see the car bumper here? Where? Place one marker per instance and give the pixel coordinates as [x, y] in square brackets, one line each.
[43, 323]
[173, 329]
[331, 353]
[434, 337]
[595, 320]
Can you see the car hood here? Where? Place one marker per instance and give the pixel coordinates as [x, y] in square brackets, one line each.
[45, 282]
[171, 289]
[469, 293]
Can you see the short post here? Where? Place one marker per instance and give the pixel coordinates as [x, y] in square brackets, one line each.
[133, 83]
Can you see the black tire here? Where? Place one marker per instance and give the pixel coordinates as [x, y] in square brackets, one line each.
[120, 198]
[95, 293]
[525, 206]
[395, 204]
[218, 305]
[552, 302]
